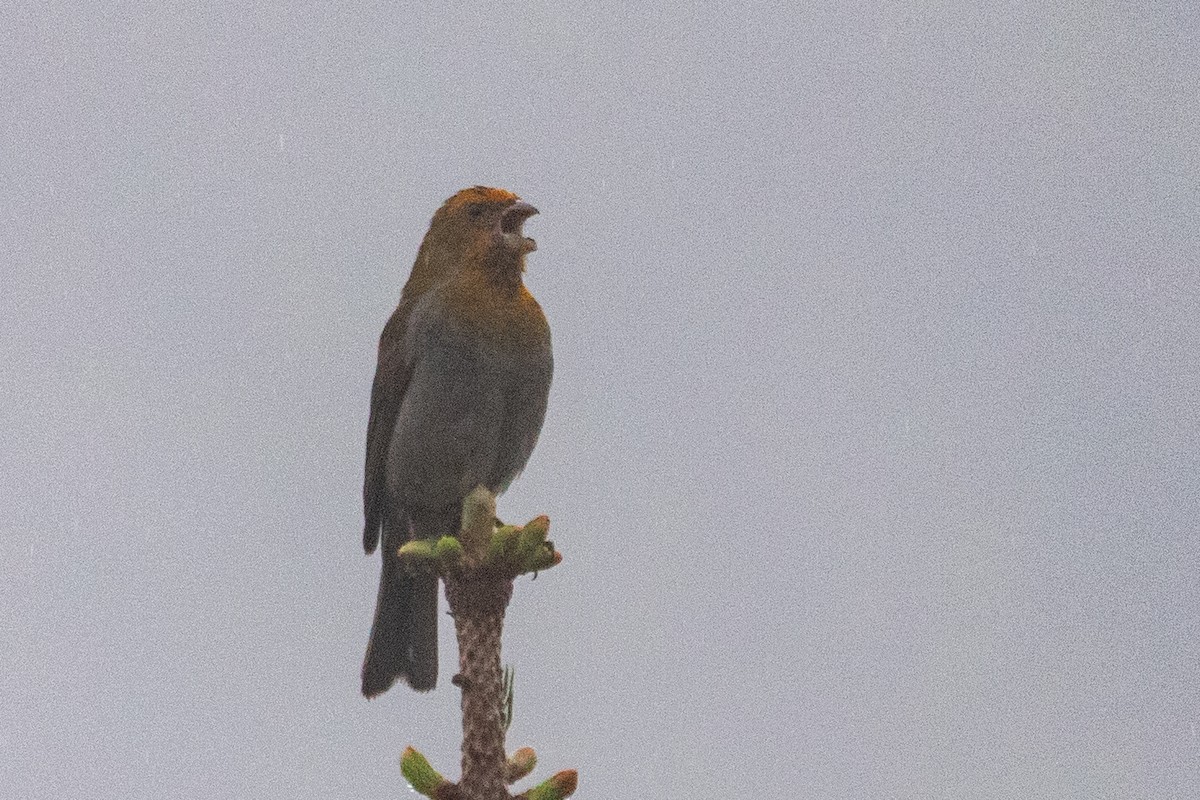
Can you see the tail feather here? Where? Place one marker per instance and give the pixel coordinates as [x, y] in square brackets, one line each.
[404, 635]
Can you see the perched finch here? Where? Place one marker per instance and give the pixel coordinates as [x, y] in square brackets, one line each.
[458, 401]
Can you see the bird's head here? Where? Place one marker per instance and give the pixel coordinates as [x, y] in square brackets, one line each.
[477, 228]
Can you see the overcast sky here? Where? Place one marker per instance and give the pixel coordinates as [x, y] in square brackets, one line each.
[874, 442]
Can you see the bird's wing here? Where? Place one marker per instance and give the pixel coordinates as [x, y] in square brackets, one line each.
[392, 374]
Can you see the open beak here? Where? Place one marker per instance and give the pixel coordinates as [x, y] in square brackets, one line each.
[510, 226]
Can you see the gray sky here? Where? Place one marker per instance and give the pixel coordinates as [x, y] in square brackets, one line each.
[873, 446]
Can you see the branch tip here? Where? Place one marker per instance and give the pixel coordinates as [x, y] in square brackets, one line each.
[420, 774]
[555, 787]
[520, 764]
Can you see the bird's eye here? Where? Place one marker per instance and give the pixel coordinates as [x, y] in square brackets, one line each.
[475, 210]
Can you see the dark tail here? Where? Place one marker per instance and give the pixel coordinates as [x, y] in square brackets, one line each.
[404, 637]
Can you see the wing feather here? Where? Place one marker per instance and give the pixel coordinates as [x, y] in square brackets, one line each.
[392, 373]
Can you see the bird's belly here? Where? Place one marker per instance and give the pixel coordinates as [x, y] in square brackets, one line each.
[449, 431]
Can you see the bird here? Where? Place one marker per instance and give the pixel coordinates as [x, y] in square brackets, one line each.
[460, 392]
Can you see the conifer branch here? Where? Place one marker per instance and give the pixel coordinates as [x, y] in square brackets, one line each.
[478, 568]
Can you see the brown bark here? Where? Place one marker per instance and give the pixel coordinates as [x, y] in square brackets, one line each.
[478, 599]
